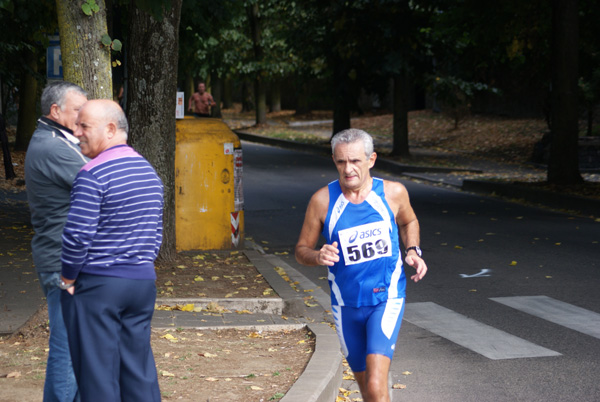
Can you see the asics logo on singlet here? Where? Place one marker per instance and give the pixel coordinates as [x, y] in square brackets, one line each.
[364, 234]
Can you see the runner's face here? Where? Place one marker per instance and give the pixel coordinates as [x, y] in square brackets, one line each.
[353, 165]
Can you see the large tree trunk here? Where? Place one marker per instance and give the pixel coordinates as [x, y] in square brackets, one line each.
[27, 102]
[151, 102]
[400, 120]
[563, 165]
[260, 87]
[86, 62]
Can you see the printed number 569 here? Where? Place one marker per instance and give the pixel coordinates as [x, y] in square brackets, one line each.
[366, 250]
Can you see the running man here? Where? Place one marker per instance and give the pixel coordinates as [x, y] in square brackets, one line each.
[362, 219]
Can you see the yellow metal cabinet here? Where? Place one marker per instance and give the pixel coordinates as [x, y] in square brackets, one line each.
[208, 186]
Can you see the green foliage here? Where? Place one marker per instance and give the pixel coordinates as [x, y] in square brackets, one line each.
[116, 45]
[113, 46]
[106, 40]
[7, 5]
[25, 28]
[90, 7]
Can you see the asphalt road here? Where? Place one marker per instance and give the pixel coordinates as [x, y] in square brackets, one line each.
[510, 308]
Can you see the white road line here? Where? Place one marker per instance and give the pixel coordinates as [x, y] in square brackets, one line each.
[556, 311]
[480, 338]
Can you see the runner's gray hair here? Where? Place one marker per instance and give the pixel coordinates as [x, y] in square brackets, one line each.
[353, 135]
[56, 93]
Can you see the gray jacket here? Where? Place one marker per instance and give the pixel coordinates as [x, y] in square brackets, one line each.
[51, 163]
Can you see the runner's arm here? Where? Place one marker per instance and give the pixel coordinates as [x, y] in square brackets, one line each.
[311, 230]
[408, 226]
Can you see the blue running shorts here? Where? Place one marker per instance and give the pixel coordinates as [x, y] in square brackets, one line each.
[368, 330]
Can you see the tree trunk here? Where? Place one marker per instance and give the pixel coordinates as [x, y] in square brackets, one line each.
[247, 95]
[563, 165]
[86, 62]
[302, 100]
[188, 91]
[400, 121]
[27, 103]
[276, 96]
[341, 108]
[9, 172]
[151, 104]
[216, 94]
[227, 92]
[260, 89]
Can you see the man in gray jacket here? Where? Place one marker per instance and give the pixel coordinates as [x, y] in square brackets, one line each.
[53, 160]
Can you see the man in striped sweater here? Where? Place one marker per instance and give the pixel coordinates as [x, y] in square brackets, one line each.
[110, 241]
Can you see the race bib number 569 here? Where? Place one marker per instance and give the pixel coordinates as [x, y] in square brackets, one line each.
[365, 243]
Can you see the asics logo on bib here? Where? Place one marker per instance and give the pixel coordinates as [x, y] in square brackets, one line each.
[364, 235]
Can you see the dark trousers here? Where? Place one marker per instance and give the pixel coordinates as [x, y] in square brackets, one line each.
[108, 324]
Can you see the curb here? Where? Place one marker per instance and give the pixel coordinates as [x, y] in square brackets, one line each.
[381, 163]
[298, 146]
[270, 305]
[322, 377]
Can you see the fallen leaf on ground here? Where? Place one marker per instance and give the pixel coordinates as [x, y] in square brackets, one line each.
[169, 337]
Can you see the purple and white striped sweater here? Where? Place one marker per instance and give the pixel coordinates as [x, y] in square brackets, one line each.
[114, 227]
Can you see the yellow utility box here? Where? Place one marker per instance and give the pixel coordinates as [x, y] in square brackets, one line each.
[209, 199]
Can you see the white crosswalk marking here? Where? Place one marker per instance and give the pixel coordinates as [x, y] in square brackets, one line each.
[558, 312]
[480, 338]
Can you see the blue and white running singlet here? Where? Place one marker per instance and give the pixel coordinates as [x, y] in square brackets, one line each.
[370, 268]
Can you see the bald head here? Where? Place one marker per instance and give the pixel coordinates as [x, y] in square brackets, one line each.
[101, 124]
